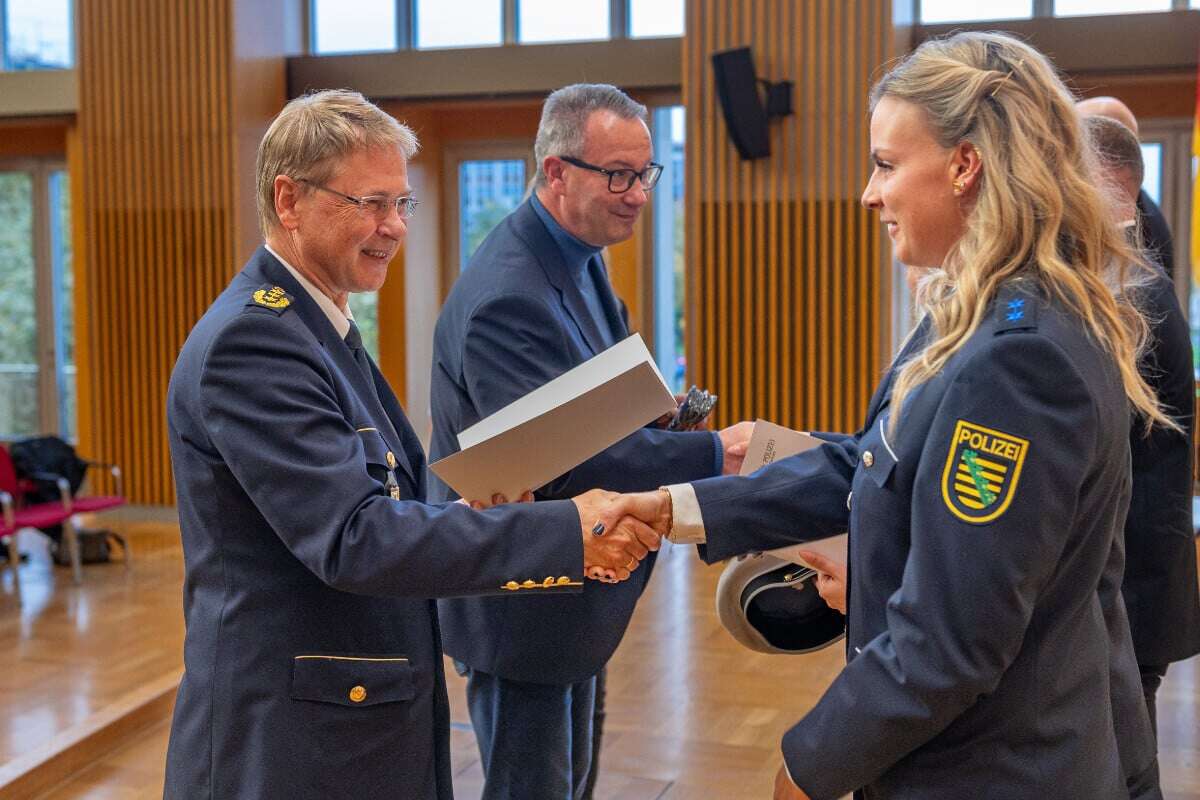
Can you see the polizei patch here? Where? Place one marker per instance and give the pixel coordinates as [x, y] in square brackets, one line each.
[982, 470]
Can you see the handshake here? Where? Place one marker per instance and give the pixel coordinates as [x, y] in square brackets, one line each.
[619, 530]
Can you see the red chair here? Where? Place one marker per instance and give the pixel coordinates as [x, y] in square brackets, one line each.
[45, 460]
[18, 515]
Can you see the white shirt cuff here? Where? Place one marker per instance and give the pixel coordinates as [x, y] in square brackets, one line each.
[687, 525]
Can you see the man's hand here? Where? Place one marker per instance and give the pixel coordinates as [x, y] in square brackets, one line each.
[615, 538]
[497, 500]
[831, 578]
[785, 789]
[734, 440]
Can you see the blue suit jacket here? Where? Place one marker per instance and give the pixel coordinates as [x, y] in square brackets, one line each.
[514, 321]
[305, 576]
[986, 632]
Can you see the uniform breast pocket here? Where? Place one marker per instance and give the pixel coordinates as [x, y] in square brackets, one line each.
[877, 460]
[352, 680]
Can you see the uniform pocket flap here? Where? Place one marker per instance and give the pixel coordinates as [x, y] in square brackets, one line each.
[352, 680]
[876, 458]
[375, 449]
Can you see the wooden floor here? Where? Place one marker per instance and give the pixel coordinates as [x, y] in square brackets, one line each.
[691, 713]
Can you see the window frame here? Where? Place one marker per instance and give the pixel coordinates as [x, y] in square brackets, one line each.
[454, 155]
[407, 21]
[46, 317]
[1041, 9]
[72, 36]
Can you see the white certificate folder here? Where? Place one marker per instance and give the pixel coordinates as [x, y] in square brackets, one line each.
[558, 426]
[771, 442]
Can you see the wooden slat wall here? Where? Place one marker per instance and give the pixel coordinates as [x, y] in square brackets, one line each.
[785, 294]
[160, 225]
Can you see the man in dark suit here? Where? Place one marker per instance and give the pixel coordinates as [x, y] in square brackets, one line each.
[534, 302]
[1160, 588]
[313, 661]
[1156, 234]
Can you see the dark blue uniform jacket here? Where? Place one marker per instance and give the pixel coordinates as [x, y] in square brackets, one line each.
[313, 666]
[514, 321]
[988, 652]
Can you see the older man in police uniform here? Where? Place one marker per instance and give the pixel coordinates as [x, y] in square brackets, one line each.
[313, 661]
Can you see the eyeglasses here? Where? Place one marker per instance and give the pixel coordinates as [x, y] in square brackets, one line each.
[621, 180]
[377, 205]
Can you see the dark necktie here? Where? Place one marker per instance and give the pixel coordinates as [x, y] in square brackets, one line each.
[355, 343]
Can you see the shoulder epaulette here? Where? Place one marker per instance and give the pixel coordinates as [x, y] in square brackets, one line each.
[270, 297]
[1015, 311]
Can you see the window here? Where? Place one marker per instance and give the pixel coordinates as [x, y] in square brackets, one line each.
[668, 214]
[1152, 153]
[360, 26]
[62, 284]
[459, 23]
[655, 18]
[555, 21]
[37, 34]
[18, 304]
[37, 371]
[1079, 8]
[935, 11]
[488, 191]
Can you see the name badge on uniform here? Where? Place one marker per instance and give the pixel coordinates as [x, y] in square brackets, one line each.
[982, 471]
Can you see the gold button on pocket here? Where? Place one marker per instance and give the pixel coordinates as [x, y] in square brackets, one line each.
[358, 694]
[391, 460]
[868, 459]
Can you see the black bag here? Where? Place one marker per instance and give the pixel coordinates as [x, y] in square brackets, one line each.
[47, 455]
[95, 547]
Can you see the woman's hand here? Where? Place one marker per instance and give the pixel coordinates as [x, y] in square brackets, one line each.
[831, 578]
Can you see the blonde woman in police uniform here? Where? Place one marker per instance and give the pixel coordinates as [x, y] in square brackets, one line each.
[988, 652]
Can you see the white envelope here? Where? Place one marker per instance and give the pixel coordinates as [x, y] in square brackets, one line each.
[768, 443]
[559, 425]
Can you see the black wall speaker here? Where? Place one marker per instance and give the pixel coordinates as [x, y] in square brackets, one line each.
[745, 115]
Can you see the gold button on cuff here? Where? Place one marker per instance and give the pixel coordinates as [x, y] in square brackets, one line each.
[391, 460]
[868, 459]
[358, 694]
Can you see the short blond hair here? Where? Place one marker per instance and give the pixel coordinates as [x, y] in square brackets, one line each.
[313, 133]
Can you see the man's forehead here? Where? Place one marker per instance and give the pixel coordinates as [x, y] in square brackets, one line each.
[379, 170]
[608, 136]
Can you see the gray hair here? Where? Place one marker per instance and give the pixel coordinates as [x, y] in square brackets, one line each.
[565, 115]
[313, 133]
[1116, 146]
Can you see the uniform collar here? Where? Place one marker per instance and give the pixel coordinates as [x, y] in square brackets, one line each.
[339, 320]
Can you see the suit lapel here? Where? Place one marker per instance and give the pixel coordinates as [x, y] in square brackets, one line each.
[614, 312]
[549, 256]
[270, 270]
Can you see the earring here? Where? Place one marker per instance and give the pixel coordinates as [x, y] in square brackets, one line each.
[959, 186]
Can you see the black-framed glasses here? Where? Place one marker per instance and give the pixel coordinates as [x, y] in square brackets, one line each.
[621, 180]
[377, 205]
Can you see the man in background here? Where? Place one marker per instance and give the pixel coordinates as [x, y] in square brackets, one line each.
[535, 301]
[1155, 233]
[1159, 588]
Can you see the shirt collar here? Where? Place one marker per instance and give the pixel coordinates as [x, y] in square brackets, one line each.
[339, 320]
[575, 252]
